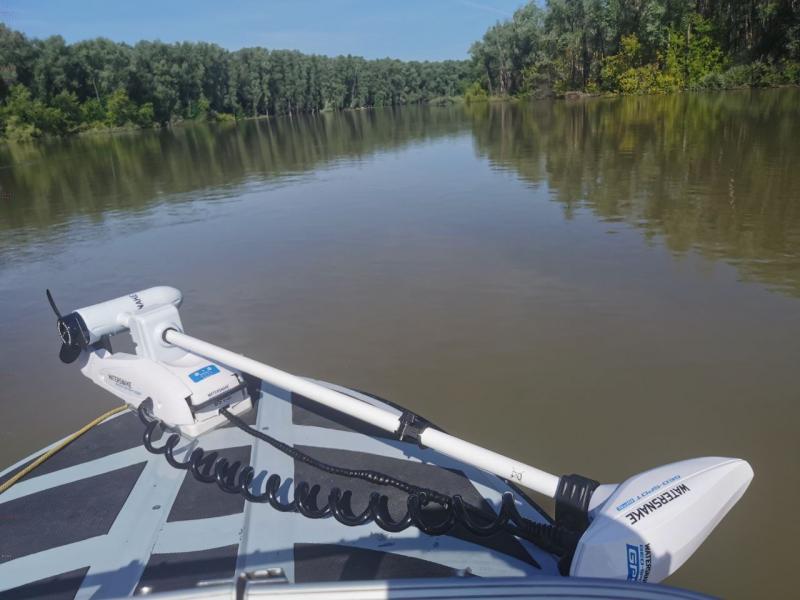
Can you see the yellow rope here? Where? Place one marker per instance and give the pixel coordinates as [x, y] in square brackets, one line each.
[60, 446]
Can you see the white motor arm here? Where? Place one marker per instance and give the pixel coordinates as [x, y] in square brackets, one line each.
[531, 477]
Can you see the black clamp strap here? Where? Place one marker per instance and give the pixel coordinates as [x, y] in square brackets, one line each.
[572, 501]
[411, 428]
[573, 494]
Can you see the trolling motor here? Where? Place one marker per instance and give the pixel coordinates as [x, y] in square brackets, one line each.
[640, 530]
[187, 390]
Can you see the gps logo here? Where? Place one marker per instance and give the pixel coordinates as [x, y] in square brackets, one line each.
[634, 562]
[640, 561]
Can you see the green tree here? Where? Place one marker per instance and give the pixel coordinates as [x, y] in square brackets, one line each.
[475, 93]
[93, 113]
[703, 55]
[120, 110]
[68, 112]
[145, 115]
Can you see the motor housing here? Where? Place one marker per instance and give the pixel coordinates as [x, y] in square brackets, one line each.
[187, 390]
[654, 521]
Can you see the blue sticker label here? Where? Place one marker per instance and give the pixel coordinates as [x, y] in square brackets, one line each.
[201, 374]
[634, 562]
[640, 560]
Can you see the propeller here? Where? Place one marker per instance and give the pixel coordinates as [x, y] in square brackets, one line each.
[69, 330]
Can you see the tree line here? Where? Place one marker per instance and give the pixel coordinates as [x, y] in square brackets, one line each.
[629, 46]
[639, 46]
[50, 87]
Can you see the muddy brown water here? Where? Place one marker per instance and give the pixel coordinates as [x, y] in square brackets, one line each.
[595, 287]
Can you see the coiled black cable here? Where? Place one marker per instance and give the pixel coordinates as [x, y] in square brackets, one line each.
[375, 477]
[235, 479]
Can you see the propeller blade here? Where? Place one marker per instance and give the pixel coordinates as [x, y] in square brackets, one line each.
[69, 353]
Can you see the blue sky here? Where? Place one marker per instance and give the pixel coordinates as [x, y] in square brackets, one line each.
[406, 29]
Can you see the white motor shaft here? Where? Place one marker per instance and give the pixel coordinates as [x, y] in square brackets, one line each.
[526, 475]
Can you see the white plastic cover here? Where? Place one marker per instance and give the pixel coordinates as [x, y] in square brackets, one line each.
[106, 318]
[654, 521]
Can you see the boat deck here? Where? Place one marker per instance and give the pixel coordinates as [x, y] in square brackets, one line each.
[105, 518]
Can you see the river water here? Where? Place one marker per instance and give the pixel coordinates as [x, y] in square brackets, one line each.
[596, 287]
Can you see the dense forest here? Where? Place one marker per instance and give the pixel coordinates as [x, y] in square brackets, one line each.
[639, 46]
[49, 87]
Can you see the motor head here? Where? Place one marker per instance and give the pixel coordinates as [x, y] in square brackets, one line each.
[186, 391]
[83, 327]
[654, 521]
